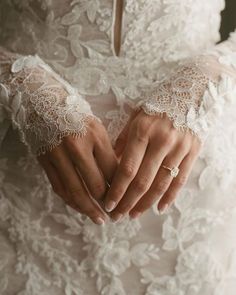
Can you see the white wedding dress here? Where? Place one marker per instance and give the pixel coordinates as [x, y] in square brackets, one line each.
[45, 246]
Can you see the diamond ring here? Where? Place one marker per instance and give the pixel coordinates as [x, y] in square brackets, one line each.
[174, 171]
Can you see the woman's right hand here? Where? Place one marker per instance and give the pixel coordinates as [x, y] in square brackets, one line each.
[44, 108]
[81, 162]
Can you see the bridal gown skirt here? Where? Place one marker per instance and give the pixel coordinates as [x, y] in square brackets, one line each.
[48, 248]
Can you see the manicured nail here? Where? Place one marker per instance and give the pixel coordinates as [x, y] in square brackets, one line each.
[117, 217]
[110, 206]
[163, 209]
[99, 221]
[135, 214]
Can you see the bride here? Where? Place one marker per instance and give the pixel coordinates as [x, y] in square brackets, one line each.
[118, 148]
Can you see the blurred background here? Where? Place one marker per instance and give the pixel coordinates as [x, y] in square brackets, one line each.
[228, 19]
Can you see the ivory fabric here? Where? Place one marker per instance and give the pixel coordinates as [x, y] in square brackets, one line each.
[48, 248]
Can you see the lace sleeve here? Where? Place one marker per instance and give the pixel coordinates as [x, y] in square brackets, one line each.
[39, 103]
[195, 94]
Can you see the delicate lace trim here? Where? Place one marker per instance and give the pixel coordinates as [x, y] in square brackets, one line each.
[43, 106]
[190, 97]
[76, 45]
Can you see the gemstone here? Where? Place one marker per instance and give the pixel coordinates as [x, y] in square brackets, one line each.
[174, 171]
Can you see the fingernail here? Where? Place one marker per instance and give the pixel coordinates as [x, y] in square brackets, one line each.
[117, 217]
[163, 209]
[110, 206]
[99, 221]
[135, 214]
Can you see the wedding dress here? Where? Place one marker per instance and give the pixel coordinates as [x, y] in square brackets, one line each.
[59, 67]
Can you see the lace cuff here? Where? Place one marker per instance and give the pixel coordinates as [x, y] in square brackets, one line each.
[40, 104]
[195, 95]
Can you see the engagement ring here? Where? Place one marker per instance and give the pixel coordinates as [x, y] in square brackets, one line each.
[173, 171]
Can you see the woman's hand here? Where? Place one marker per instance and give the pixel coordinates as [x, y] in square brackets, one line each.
[77, 163]
[146, 143]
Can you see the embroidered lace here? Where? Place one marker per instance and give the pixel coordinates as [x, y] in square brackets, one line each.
[46, 247]
[42, 105]
[193, 95]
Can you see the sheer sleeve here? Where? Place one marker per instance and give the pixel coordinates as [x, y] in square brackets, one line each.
[195, 94]
[39, 103]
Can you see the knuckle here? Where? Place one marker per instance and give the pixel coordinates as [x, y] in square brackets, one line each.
[75, 191]
[128, 169]
[141, 128]
[181, 181]
[94, 124]
[99, 135]
[140, 184]
[161, 187]
[99, 188]
[95, 128]
[101, 140]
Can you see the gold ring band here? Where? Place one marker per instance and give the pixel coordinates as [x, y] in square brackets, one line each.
[174, 171]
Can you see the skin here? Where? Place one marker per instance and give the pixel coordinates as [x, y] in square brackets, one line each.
[78, 173]
[146, 143]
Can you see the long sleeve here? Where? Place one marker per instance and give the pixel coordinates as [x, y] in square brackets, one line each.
[198, 90]
[39, 103]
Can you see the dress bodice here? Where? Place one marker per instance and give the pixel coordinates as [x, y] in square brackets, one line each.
[77, 38]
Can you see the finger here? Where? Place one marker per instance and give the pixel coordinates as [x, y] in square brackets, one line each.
[129, 165]
[105, 157]
[141, 183]
[160, 184]
[81, 154]
[57, 183]
[178, 182]
[75, 186]
[122, 138]
[54, 178]
[87, 168]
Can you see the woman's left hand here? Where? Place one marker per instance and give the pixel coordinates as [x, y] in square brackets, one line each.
[145, 144]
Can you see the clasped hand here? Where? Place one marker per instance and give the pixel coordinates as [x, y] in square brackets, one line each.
[79, 169]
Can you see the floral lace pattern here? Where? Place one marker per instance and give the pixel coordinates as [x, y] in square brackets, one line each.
[191, 97]
[46, 247]
[42, 106]
[76, 40]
